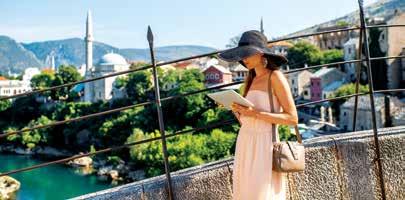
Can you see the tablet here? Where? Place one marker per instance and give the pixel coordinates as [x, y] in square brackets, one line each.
[227, 97]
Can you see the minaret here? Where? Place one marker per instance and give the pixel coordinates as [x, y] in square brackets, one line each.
[88, 87]
[53, 63]
[89, 42]
[261, 26]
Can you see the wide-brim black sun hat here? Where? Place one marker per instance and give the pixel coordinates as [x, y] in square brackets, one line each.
[250, 43]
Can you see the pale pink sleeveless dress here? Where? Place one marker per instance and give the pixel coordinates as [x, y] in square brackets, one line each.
[253, 178]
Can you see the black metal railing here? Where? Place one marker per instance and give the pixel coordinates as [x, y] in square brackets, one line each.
[362, 39]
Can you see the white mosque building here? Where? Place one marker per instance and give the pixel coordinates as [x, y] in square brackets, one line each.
[110, 63]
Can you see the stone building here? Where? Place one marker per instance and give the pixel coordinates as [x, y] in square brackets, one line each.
[334, 40]
[389, 112]
[387, 74]
[110, 63]
[299, 84]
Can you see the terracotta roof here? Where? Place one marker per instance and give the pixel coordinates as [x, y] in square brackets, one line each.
[183, 64]
[47, 70]
[220, 68]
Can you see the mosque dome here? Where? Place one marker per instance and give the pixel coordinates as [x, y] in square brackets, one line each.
[112, 59]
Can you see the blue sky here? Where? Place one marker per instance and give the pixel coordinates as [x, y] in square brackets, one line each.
[123, 23]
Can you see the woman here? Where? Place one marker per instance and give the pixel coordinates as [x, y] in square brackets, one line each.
[253, 178]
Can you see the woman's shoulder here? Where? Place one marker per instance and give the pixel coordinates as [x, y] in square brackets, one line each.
[277, 75]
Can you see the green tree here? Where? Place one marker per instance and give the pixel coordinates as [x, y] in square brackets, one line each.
[342, 23]
[115, 130]
[285, 133]
[22, 110]
[189, 108]
[139, 86]
[42, 80]
[184, 150]
[4, 105]
[66, 74]
[138, 65]
[38, 136]
[348, 89]
[344, 90]
[304, 52]
[333, 55]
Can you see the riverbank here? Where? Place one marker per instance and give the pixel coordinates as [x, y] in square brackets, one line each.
[52, 182]
[109, 170]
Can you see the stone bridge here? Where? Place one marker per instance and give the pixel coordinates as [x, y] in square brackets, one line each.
[338, 167]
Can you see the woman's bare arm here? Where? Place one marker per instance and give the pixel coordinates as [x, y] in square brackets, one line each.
[237, 115]
[281, 89]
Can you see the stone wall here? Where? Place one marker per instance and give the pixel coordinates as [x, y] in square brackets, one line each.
[337, 167]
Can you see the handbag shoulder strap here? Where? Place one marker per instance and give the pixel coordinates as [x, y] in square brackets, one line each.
[273, 126]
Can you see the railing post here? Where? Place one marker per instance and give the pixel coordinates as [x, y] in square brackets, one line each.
[160, 114]
[371, 93]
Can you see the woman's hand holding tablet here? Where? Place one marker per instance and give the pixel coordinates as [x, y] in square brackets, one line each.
[227, 97]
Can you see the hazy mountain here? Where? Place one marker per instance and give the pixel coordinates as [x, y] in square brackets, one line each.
[68, 51]
[72, 51]
[166, 53]
[14, 57]
[382, 8]
[17, 57]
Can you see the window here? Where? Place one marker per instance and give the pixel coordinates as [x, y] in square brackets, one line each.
[344, 113]
[350, 50]
[305, 92]
[345, 127]
[292, 81]
[216, 76]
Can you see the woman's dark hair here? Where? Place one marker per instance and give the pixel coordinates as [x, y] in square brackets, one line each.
[251, 73]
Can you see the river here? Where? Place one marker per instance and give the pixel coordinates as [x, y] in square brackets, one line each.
[52, 182]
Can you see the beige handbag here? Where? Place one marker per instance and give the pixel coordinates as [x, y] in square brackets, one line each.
[287, 156]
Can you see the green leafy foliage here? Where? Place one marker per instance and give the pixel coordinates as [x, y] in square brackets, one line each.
[38, 136]
[331, 56]
[344, 90]
[304, 52]
[184, 150]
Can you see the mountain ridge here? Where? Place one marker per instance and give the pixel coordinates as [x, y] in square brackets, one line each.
[72, 51]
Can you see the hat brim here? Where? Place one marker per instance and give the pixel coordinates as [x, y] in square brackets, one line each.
[239, 53]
